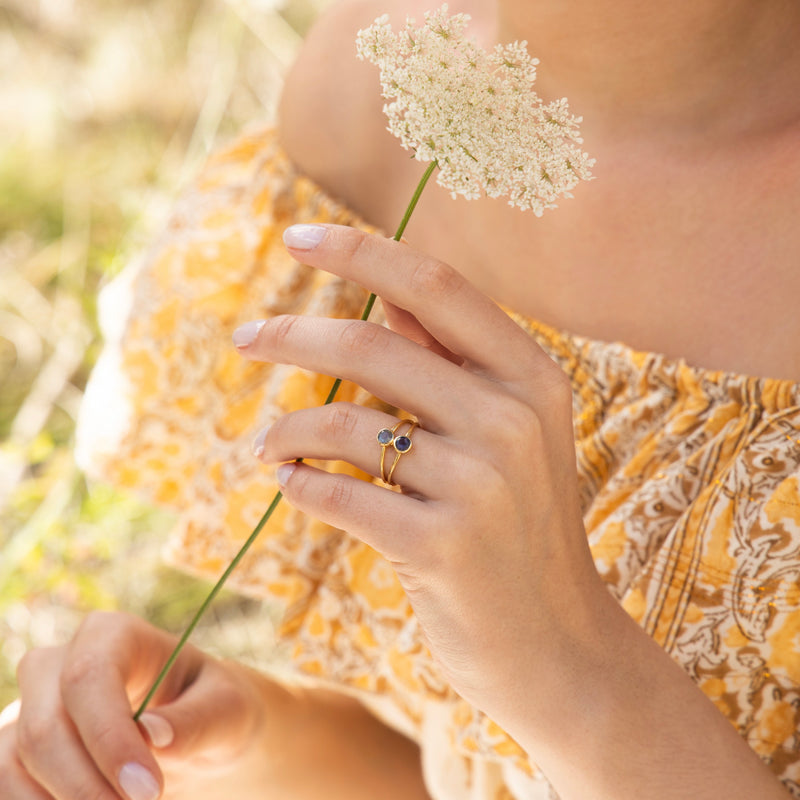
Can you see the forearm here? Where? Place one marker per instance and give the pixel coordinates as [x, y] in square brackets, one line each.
[313, 744]
[625, 721]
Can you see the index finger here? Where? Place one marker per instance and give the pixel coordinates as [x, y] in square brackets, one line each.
[106, 664]
[48, 745]
[462, 318]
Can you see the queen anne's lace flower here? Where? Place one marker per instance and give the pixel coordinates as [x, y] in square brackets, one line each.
[475, 112]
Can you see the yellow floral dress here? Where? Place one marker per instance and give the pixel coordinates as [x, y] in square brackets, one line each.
[690, 482]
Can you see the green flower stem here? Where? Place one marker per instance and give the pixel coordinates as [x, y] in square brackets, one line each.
[275, 500]
[398, 235]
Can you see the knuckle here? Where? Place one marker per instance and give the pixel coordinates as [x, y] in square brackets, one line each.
[97, 624]
[106, 633]
[81, 668]
[434, 278]
[361, 338]
[35, 663]
[516, 422]
[282, 328]
[336, 496]
[358, 244]
[104, 738]
[342, 422]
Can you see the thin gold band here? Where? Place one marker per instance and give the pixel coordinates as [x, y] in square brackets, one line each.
[406, 441]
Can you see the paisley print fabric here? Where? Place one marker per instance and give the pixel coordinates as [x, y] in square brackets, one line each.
[690, 483]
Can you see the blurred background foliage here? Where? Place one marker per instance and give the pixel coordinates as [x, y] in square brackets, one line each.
[107, 108]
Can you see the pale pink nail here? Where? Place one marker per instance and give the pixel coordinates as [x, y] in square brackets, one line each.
[258, 443]
[303, 237]
[246, 334]
[284, 472]
[138, 783]
[158, 729]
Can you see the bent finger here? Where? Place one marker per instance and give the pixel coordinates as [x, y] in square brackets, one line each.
[15, 781]
[400, 372]
[48, 745]
[394, 524]
[348, 432]
[454, 311]
[214, 716]
[110, 659]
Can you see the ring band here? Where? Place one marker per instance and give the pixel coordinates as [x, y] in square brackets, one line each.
[387, 437]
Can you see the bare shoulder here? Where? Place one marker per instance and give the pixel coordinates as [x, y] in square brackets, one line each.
[331, 120]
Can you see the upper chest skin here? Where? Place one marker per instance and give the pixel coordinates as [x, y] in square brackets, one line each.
[689, 247]
[695, 258]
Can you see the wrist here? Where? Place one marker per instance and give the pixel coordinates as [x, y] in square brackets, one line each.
[610, 714]
[565, 676]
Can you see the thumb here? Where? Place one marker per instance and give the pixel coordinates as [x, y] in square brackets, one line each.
[214, 716]
[158, 729]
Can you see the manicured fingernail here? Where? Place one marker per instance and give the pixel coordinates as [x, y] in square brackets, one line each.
[158, 729]
[258, 443]
[284, 472]
[138, 783]
[303, 237]
[246, 334]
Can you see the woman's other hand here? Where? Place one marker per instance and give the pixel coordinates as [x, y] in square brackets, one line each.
[74, 735]
[214, 729]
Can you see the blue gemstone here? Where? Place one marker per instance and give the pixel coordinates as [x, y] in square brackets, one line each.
[385, 437]
[402, 444]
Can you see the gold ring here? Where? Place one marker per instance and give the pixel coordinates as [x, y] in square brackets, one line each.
[387, 437]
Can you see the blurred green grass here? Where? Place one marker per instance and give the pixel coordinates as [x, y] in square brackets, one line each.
[107, 108]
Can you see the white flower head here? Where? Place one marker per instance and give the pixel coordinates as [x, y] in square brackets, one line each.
[475, 112]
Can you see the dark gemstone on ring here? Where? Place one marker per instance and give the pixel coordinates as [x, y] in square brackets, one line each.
[385, 437]
[402, 444]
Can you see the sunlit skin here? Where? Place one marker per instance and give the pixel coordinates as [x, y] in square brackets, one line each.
[687, 246]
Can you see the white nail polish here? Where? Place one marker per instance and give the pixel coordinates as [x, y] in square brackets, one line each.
[303, 237]
[158, 729]
[138, 783]
[246, 334]
[284, 472]
[258, 443]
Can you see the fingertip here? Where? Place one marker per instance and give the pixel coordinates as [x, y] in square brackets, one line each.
[258, 443]
[138, 783]
[304, 237]
[284, 472]
[158, 730]
[246, 334]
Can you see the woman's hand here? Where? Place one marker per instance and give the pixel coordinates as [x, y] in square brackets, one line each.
[486, 536]
[74, 736]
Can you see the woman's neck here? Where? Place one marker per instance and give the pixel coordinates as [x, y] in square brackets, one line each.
[706, 67]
